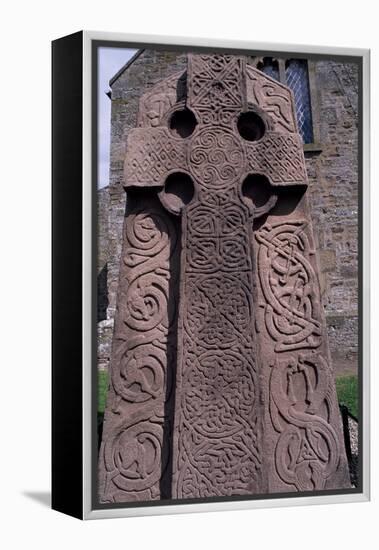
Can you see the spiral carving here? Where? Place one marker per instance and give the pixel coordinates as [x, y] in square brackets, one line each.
[133, 453]
[216, 158]
[133, 456]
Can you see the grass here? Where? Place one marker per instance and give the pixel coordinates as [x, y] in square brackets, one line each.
[102, 387]
[347, 391]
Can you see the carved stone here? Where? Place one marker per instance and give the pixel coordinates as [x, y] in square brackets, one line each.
[221, 381]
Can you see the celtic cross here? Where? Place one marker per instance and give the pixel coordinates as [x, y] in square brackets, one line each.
[217, 411]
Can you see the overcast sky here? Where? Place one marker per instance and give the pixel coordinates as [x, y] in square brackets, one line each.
[110, 62]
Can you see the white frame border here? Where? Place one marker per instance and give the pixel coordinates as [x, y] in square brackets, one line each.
[88, 512]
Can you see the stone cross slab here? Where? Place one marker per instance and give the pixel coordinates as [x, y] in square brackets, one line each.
[220, 159]
[217, 412]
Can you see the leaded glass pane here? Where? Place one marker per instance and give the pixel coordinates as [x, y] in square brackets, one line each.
[297, 80]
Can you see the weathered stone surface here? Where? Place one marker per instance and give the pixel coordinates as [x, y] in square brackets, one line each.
[233, 392]
[135, 457]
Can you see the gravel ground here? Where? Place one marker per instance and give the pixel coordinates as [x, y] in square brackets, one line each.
[353, 462]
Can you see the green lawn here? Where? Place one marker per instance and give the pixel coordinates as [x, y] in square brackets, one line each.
[347, 391]
[102, 388]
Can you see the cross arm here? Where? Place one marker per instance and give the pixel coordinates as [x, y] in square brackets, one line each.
[151, 155]
[279, 157]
